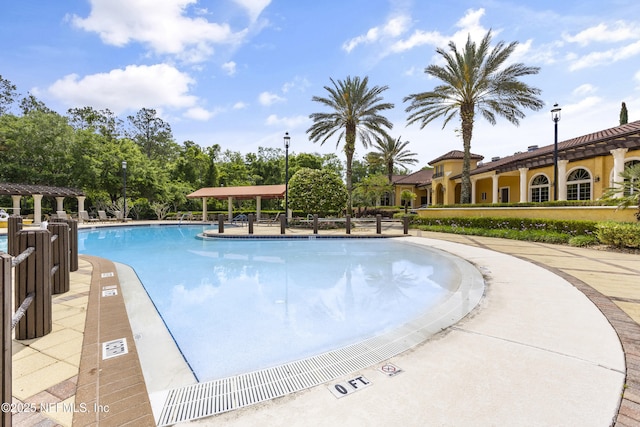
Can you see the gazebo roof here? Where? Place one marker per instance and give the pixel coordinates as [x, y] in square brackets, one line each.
[9, 189]
[242, 192]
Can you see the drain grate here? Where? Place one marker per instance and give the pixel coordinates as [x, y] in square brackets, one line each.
[114, 348]
[215, 397]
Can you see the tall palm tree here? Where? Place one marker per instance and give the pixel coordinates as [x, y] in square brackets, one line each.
[394, 152]
[356, 112]
[475, 82]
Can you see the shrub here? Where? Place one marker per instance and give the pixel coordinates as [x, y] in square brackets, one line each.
[621, 235]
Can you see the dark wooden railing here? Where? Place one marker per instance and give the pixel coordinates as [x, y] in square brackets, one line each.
[42, 261]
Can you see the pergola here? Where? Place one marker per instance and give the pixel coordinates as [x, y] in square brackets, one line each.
[17, 191]
[258, 192]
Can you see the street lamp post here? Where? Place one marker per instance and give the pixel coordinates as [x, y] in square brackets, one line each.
[555, 116]
[287, 141]
[124, 189]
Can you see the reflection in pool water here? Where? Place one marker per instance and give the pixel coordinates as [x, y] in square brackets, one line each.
[238, 305]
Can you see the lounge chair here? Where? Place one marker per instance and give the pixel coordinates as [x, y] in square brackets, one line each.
[84, 217]
[102, 215]
[61, 215]
[270, 221]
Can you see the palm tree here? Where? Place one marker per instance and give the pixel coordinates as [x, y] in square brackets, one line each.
[475, 83]
[627, 191]
[356, 112]
[393, 152]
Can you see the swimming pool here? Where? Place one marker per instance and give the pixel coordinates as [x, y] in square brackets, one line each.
[235, 306]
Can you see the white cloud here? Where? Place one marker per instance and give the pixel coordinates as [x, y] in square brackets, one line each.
[469, 24]
[240, 105]
[393, 28]
[300, 83]
[253, 7]
[229, 68]
[200, 114]
[606, 57]
[286, 122]
[268, 98]
[127, 89]
[618, 32]
[584, 89]
[160, 25]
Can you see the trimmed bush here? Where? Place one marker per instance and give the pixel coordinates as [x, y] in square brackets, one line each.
[621, 235]
[571, 228]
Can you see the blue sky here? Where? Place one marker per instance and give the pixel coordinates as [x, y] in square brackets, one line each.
[241, 73]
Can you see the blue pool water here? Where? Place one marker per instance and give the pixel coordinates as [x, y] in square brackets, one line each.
[238, 305]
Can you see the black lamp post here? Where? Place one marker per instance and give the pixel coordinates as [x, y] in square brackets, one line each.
[124, 189]
[555, 116]
[287, 141]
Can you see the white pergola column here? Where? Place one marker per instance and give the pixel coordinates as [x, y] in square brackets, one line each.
[230, 207]
[16, 204]
[81, 200]
[562, 179]
[618, 167]
[258, 207]
[37, 208]
[523, 184]
[204, 209]
[494, 180]
[59, 203]
[473, 191]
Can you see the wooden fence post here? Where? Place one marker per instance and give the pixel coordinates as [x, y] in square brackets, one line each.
[348, 224]
[60, 257]
[283, 223]
[220, 223]
[378, 224]
[6, 315]
[315, 223]
[33, 274]
[14, 224]
[251, 219]
[405, 225]
[73, 242]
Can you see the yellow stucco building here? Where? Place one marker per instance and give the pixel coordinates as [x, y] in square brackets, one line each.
[586, 167]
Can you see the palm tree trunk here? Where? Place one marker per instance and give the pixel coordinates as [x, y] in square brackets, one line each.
[349, 150]
[466, 113]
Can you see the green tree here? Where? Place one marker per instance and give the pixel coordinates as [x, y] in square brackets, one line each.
[8, 95]
[104, 122]
[267, 166]
[476, 81]
[153, 135]
[624, 114]
[407, 196]
[314, 191]
[369, 191]
[232, 170]
[355, 113]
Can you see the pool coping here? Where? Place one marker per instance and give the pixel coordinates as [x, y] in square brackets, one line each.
[193, 400]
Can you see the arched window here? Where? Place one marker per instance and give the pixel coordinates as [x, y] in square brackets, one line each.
[579, 185]
[628, 189]
[540, 189]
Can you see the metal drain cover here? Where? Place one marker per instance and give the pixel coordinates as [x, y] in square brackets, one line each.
[114, 348]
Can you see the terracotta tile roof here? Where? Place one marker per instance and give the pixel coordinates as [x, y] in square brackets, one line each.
[417, 178]
[454, 155]
[241, 192]
[583, 147]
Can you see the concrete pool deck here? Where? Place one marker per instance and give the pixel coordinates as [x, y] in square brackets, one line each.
[536, 352]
